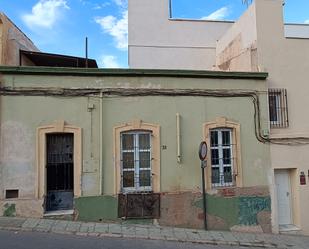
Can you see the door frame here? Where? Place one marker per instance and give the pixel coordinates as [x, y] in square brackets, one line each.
[57, 127]
[288, 172]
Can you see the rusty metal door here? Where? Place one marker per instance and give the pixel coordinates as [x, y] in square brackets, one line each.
[60, 171]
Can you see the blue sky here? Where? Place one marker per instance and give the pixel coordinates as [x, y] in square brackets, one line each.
[60, 26]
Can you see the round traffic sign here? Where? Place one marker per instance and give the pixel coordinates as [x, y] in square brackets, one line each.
[202, 151]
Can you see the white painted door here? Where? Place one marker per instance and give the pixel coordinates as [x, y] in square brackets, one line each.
[282, 179]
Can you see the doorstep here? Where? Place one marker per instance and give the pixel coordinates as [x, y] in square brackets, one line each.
[289, 229]
[58, 213]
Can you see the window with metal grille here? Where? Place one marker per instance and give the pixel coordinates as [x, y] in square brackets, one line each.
[221, 146]
[136, 161]
[278, 108]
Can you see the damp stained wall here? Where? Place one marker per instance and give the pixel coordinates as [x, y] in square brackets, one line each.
[22, 115]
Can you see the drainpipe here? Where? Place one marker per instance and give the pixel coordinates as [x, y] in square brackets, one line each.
[178, 138]
[101, 145]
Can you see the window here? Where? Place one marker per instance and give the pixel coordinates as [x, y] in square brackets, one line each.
[221, 157]
[278, 112]
[224, 167]
[136, 161]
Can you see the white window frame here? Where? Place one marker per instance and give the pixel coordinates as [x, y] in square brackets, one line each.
[136, 169]
[221, 164]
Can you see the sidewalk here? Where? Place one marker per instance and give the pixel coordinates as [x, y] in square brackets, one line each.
[155, 233]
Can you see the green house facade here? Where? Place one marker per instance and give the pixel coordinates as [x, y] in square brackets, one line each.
[122, 146]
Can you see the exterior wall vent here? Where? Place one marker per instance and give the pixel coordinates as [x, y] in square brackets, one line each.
[11, 193]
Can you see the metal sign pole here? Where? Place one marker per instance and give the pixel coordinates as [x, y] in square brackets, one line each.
[204, 193]
[202, 155]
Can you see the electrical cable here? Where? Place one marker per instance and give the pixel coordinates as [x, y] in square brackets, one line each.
[143, 92]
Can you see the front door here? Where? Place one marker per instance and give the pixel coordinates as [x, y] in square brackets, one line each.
[282, 179]
[59, 166]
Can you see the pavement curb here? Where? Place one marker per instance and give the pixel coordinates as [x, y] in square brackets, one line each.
[117, 235]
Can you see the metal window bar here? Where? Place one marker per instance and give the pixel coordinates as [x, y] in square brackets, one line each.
[222, 172]
[60, 162]
[278, 108]
[139, 176]
[60, 172]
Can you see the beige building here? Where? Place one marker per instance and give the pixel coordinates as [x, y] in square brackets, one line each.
[258, 41]
[170, 43]
[12, 40]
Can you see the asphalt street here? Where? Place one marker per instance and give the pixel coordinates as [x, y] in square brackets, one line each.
[35, 240]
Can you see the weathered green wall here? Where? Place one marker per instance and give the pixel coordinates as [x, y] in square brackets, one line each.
[21, 116]
[9, 210]
[237, 210]
[186, 210]
[194, 111]
[96, 208]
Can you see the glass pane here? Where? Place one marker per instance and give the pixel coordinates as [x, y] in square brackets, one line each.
[144, 178]
[128, 160]
[213, 138]
[144, 159]
[127, 141]
[144, 141]
[228, 174]
[214, 156]
[227, 156]
[215, 175]
[273, 108]
[226, 138]
[128, 179]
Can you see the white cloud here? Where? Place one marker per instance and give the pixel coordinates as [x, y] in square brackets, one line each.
[117, 28]
[109, 61]
[307, 21]
[219, 14]
[45, 13]
[121, 3]
[101, 6]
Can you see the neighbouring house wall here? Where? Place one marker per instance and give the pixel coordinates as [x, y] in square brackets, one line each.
[180, 184]
[237, 48]
[1, 41]
[12, 39]
[158, 42]
[287, 61]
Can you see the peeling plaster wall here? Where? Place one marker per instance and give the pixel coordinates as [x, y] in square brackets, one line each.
[237, 48]
[248, 210]
[17, 155]
[180, 183]
[21, 116]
